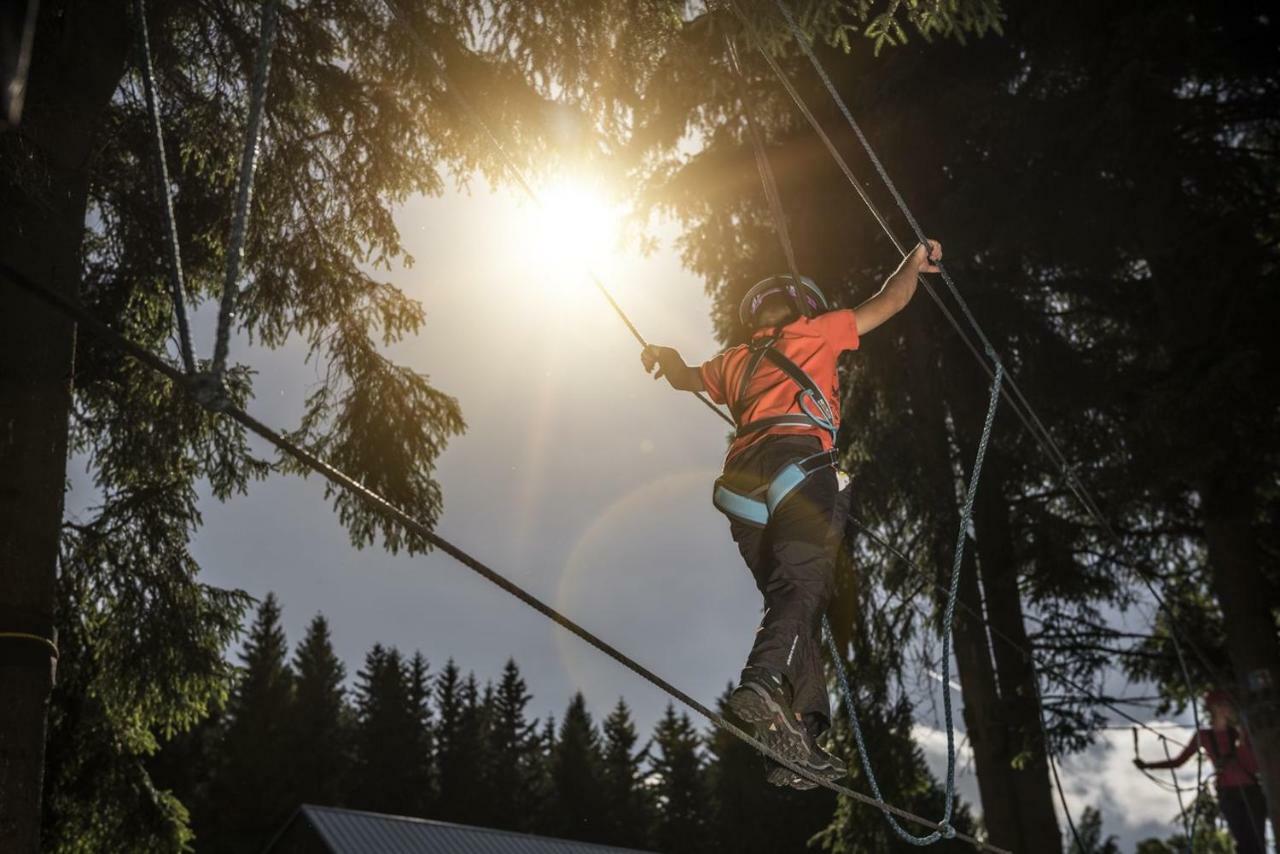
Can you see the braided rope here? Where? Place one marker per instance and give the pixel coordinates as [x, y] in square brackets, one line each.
[945, 830]
[176, 285]
[244, 190]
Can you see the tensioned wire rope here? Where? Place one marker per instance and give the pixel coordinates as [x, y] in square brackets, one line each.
[945, 831]
[398, 515]
[1017, 401]
[220, 404]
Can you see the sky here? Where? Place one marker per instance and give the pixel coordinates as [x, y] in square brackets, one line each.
[579, 478]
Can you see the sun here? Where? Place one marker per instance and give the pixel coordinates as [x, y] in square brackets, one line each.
[572, 232]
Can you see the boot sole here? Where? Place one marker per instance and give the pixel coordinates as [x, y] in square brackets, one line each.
[773, 723]
[783, 777]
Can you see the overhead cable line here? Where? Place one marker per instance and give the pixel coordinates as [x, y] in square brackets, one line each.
[396, 514]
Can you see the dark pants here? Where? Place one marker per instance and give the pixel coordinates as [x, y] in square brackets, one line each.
[1245, 810]
[792, 559]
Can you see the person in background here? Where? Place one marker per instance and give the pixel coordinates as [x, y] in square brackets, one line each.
[1240, 796]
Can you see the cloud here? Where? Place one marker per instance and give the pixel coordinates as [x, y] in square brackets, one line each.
[1103, 777]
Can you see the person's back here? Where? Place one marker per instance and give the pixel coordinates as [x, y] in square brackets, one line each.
[782, 493]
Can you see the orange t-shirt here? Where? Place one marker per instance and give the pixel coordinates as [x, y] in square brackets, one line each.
[814, 344]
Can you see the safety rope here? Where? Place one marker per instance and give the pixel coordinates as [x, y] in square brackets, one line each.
[767, 179]
[176, 285]
[948, 619]
[244, 194]
[400, 516]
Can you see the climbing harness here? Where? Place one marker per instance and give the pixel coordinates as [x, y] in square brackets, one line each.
[806, 296]
[754, 507]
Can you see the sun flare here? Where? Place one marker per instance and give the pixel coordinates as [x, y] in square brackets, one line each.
[574, 230]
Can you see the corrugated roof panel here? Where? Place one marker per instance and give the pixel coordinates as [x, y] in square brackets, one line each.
[355, 832]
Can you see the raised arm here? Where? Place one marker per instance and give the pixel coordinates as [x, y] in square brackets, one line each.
[898, 289]
[669, 364]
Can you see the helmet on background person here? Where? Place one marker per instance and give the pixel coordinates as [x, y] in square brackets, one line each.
[805, 295]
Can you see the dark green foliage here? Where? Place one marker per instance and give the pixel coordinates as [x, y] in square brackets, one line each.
[320, 737]
[460, 747]
[390, 733]
[512, 755]
[681, 786]
[1088, 838]
[576, 796]
[628, 805]
[252, 782]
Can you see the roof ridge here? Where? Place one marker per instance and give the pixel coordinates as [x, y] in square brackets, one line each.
[471, 827]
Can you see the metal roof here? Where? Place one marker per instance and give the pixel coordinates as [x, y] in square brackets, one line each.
[355, 832]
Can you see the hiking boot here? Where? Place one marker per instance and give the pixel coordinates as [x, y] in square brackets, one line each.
[783, 777]
[763, 701]
[819, 763]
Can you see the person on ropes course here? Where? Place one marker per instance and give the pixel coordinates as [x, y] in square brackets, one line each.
[1240, 796]
[782, 492]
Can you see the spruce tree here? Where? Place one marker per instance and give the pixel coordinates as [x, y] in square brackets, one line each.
[320, 736]
[512, 755]
[422, 779]
[681, 787]
[627, 813]
[455, 751]
[575, 808]
[386, 735]
[251, 794]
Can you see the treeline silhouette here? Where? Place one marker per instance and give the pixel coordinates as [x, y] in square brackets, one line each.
[411, 741]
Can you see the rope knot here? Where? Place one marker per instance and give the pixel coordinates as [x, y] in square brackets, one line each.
[208, 390]
[947, 831]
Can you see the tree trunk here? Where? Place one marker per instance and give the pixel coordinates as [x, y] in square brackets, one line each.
[79, 55]
[1015, 671]
[1235, 563]
[992, 755]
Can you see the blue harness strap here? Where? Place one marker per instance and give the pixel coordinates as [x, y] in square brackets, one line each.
[755, 507]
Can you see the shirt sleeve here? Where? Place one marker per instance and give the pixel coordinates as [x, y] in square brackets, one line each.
[839, 328]
[712, 373]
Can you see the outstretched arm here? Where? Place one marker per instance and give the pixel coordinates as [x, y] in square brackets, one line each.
[1176, 762]
[898, 288]
[669, 364]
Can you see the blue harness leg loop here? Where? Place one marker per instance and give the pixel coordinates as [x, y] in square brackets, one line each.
[755, 507]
